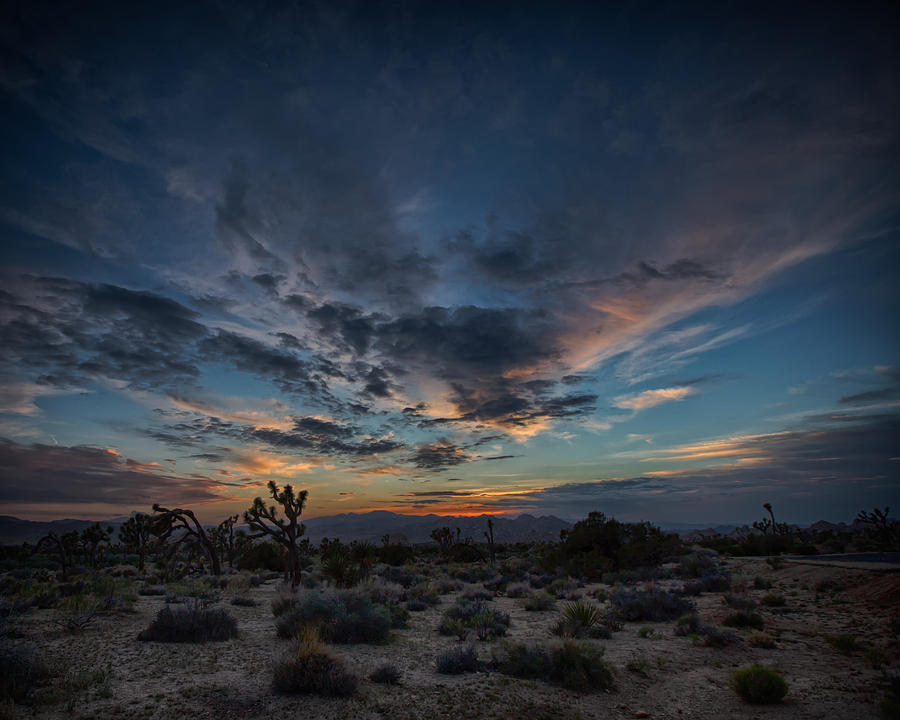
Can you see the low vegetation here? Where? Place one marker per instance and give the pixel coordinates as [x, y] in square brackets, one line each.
[759, 685]
[191, 623]
[574, 665]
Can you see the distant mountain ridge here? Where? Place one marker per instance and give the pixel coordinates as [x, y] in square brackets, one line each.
[370, 526]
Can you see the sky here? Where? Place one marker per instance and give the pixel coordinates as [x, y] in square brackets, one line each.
[450, 258]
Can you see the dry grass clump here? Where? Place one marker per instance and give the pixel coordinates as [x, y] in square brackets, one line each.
[309, 669]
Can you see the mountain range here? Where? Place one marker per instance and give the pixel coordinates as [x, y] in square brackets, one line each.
[370, 526]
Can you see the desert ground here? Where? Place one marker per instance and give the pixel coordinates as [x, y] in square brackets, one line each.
[105, 672]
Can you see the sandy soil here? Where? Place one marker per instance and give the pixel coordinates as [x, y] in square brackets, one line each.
[233, 679]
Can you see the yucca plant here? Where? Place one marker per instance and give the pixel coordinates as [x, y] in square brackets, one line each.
[579, 618]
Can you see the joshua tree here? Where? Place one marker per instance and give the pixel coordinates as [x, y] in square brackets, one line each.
[224, 540]
[444, 538]
[878, 519]
[91, 539]
[167, 521]
[136, 535]
[489, 534]
[285, 531]
[65, 547]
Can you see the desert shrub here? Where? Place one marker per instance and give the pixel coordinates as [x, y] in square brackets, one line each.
[561, 588]
[517, 590]
[424, 594]
[744, 619]
[385, 674]
[638, 664]
[20, 673]
[716, 637]
[309, 670]
[539, 602]
[395, 554]
[541, 581]
[698, 564]
[76, 613]
[574, 665]
[416, 605]
[776, 562]
[402, 577]
[761, 583]
[340, 617]
[637, 605]
[844, 643]
[478, 616]
[261, 556]
[687, 625]
[283, 603]
[384, 591]
[458, 660]
[152, 590]
[191, 623]
[761, 640]
[473, 574]
[718, 581]
[645, 632]
[759, 685]
[740, 602]
[475, 593]
[447, 585]
[399, 615]
[243, 601]
[599, 544]
[773, 600]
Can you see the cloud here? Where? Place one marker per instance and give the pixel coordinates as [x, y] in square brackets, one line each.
[652, 398]
[439, 455]
[60, 475]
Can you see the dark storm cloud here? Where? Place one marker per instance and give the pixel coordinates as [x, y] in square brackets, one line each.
[69, 330]
[308, 436]
[346, 326]
[438, 455]
[284, 369]
[82, 474]
[468, 340]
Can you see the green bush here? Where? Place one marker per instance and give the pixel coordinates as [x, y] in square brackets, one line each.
[759, 685]
[773, 600]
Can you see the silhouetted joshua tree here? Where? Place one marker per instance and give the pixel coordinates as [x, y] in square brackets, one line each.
[223, 539]
[880, 523]
[65, 547]
[287, 531]
[136, 535]
[489, 534]
[166, 522]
